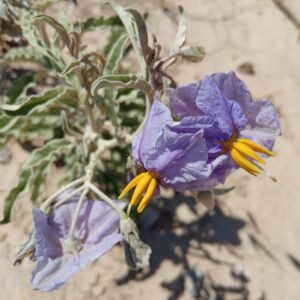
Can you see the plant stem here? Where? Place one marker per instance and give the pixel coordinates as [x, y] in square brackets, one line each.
[50, 199]
[108, 200]
[77, 211]
[89, 113]
[62, 201]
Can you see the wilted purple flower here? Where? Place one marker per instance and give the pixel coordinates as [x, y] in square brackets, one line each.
[234, 126]
[165, 156]
[96, 231]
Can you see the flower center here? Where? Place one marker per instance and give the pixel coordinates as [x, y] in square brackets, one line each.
[243, 152]
[145, 185]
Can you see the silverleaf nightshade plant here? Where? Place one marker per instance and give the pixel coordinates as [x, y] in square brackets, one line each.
[95, 113]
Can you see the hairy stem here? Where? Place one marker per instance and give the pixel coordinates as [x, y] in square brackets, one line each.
[77, 211]
[108, 200]
[53, 197]
[69, 196]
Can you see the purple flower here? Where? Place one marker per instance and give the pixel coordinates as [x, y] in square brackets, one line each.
[165, 156]
[235, 127]
[96, 231]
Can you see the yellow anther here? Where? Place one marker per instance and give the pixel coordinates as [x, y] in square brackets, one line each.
[140, 189]
[145, 185]
[243, 152]
[244, 162]
[245, 149]
[132, 184]
[149, 193]
[256, 147]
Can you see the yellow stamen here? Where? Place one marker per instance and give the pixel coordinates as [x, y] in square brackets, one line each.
[244, 162]
[131, 184]
[140, 189]
[145, 185]
[149, 193]
[243, 152]
[256, 147]
[243, 148]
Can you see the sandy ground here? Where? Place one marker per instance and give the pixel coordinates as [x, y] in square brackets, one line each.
[258, 226]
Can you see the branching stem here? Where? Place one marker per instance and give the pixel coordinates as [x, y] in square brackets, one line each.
[108, 200]
[45, 206]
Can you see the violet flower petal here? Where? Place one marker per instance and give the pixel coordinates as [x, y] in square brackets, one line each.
[214, 103]
[158, 117]
[234, 88]
[97, 230]
[182, 100]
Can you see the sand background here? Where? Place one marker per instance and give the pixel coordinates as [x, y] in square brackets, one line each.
[258, 228]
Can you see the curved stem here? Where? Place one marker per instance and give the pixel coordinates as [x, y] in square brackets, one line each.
[109, 201]
[62, 201]
[77, 211]
[50, 199]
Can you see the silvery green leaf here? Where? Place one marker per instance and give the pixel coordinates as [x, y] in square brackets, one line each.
[122, 81]
[207, 198]
[73, 66]
[14, 195]
[137, 253]
[28, 127]
[38, 157]
[37, 181]
[115, 34]
[58, 27]
[115, 55]
[18, 87]
[192, 54]
[131, 26]
[180, 38]
[219, 192]
[32, 103]
[26, 53]
[26, 249]
[92, 23]
[131, 95]
[29, 32]
[142, 32]
[68, 129]
[6, 123]
[112, 106]
[9, 127]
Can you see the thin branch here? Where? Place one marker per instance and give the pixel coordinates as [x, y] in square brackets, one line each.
[50, 199]
[109, 201]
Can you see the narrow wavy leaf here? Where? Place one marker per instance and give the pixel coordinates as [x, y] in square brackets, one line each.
[131, 26]
[37, 158]
[115, 55]
[180, 38]
[122, 81]
[32, 103]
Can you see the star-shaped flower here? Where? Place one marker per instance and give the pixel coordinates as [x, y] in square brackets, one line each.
[58, 257]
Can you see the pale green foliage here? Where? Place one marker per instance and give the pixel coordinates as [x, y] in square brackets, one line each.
[36, 160]
[71, 100]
